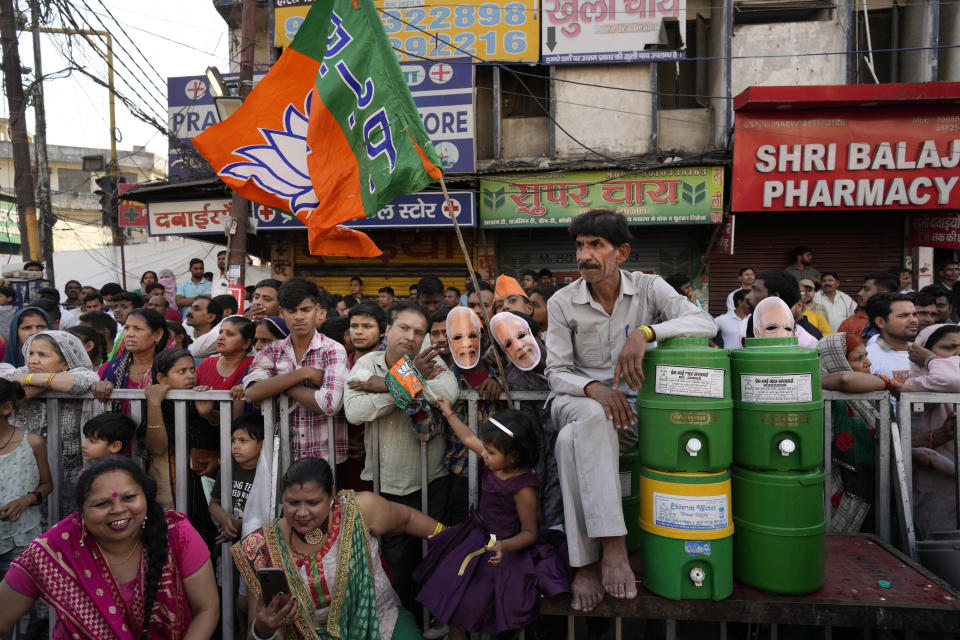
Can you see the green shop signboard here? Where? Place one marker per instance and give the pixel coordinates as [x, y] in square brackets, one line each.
[682, 195]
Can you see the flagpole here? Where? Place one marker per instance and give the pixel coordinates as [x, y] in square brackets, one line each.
[476, 287]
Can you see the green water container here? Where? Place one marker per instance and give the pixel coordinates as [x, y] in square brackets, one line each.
[686, 534]
[684, 407]
[777, 406]
[630, 465]
[779, 541]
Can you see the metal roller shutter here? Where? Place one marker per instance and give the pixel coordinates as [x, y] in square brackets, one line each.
[852, 244]
[408, 255]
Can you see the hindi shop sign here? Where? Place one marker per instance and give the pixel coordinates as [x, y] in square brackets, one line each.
[188, 217]
[420, 210]
[578, 31]
[683, 195]
[941, 230]
[847, 159]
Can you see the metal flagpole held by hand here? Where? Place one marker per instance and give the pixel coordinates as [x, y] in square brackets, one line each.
[476, 287]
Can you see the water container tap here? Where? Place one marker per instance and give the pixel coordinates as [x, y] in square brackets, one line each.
[693, 446]
[697, 576]
[787, 447]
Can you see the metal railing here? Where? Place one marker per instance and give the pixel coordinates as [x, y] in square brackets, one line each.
[909, 404]
[893, 467]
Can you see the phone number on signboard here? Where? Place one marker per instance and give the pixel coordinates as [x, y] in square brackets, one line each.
[466, 23]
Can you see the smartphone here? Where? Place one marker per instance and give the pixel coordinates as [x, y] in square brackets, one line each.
[272, 582]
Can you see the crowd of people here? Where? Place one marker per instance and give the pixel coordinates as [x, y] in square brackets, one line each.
[340, 559]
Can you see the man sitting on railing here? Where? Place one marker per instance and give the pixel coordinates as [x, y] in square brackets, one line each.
[400, 432]
[307, 366]
[599, 331]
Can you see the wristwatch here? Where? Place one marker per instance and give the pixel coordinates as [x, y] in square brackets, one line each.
[39, 497]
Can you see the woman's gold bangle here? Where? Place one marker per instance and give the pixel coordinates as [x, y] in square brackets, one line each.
[49, 379]
[29, 379]
[156, 426]
[437, 529]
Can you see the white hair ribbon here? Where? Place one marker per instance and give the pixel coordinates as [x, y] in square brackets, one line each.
[500, 426]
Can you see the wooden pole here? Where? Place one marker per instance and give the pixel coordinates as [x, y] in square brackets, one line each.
[476, 287]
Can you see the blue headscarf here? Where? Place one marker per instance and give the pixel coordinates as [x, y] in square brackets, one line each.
[280, 324]
[14, 353]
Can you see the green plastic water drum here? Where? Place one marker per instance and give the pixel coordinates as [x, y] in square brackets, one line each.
[684, 407]
[630, 496]
[778, 407]
[686, 537]
[779, 541]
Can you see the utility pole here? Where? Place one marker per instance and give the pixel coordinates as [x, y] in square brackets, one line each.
[16, 101]
[40, 145]
[113, 168]
[237, 232]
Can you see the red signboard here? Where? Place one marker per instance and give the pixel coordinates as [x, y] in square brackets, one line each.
[847, 159]
[130, 213]
[724, 244]
[935, 230]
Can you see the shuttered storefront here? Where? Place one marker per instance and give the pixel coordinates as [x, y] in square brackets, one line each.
[408, 255]
[661, 249]
[852, 244]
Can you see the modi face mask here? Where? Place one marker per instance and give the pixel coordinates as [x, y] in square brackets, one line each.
[514, 336]
[463, 337]
[772, 318]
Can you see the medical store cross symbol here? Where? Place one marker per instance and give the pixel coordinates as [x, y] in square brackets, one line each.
[439, 73]
[131, 214]
[451, 209]
[195, 89]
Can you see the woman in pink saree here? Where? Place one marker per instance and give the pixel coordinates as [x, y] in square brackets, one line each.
[120, 568]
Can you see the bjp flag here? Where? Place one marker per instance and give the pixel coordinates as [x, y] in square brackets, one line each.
[403, 382]
[331, 133]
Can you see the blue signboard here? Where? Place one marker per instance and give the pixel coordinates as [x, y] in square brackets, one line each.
[422, 209]
[443, 93]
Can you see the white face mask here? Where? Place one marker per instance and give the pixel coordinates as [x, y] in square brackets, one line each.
[463, 337]
[514, 336]
[773, 319]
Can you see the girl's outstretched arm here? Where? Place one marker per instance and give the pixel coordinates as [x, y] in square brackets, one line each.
[526, 502]
[467, 437]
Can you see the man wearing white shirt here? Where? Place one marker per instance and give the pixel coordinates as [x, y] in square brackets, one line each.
[221, 283]
[896, 317]
[746, 278]
[837, 306]
[733, 324]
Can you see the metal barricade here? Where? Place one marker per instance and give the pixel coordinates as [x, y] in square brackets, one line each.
[908, 404]
[276, 412]
[883, 487]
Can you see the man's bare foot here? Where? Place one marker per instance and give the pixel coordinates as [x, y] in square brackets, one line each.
[586, 588]
[617, 577]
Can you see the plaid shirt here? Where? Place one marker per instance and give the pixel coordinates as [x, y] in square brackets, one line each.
[308, 429]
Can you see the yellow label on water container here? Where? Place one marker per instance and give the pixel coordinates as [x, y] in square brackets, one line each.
[685, 510]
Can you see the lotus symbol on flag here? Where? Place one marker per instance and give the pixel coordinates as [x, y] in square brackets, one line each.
[280, 166]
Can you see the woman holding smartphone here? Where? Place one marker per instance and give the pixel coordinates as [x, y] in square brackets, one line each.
[324, 545]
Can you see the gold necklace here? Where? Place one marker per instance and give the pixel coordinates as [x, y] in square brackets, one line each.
[129, 555]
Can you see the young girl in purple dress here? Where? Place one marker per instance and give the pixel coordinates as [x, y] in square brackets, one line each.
[486, 574]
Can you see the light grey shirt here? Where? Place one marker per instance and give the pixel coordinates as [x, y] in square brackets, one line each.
[584, 341]
[399, 445]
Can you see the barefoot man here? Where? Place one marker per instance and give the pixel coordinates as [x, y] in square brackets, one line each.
[600, 326]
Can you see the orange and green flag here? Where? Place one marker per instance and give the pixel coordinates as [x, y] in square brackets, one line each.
[331, 133]
[404, 382]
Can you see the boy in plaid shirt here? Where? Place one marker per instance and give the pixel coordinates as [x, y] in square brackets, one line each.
[307, 366]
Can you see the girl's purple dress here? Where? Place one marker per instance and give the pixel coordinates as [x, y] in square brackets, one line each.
[480, 597]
